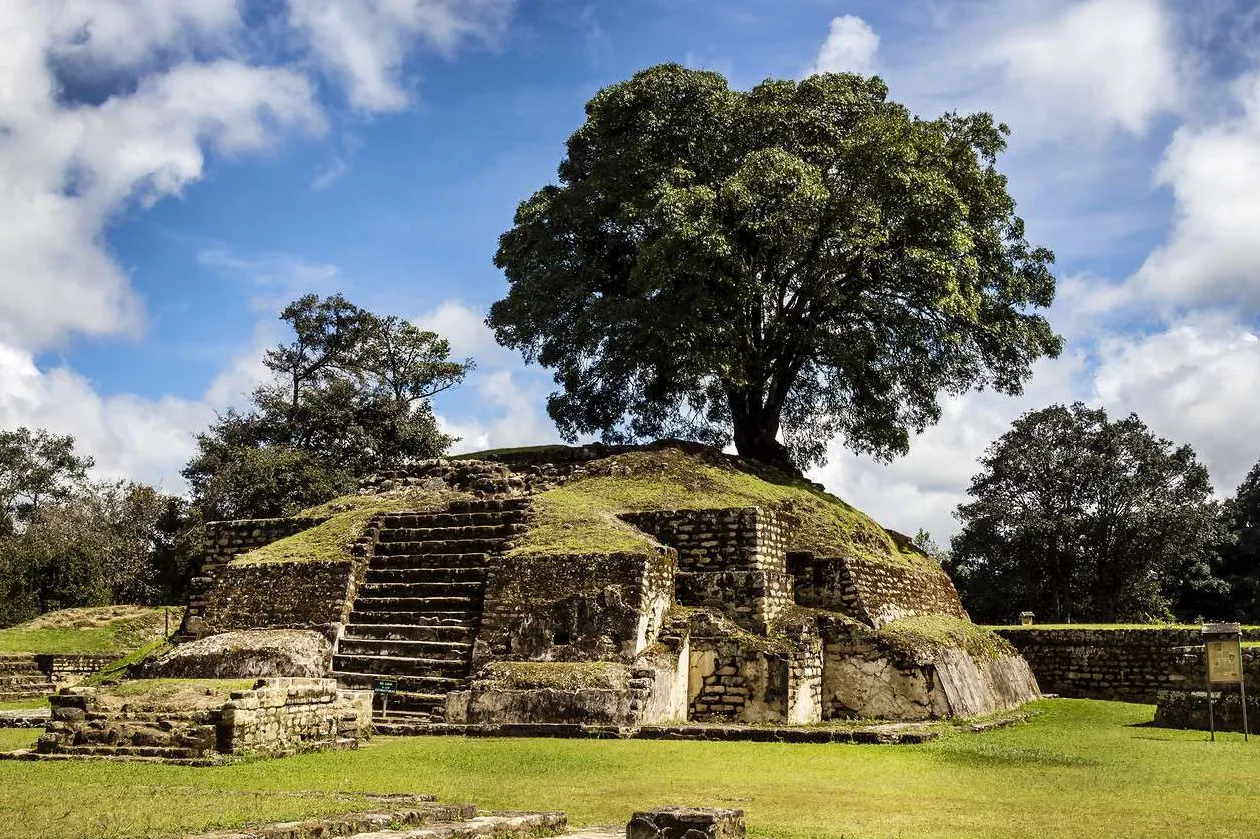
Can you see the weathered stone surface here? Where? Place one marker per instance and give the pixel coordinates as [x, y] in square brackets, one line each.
[247, 654]
[687, 823]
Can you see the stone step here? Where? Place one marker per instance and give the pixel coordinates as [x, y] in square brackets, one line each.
[394, 617]
[507, 826]
[426, 575]
[426, 534]
[489, 505]
[407, 683]
[444, 650]
[432, 588]
[392, 520]
[419, 605]
[400, 666]
[443, 546]
[99, 750]
[401, 560]
[454, 633]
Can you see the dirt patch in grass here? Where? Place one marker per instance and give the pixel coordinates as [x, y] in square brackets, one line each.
[171, 694]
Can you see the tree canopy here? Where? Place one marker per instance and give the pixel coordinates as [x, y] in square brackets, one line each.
[349, 395]
[1078, 517]
[68, 541]
[802, 260]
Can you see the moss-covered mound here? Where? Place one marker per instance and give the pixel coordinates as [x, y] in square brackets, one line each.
[98, 630]
[581, 516]
[923, 635]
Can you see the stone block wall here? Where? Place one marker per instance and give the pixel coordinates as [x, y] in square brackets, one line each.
[1129, 665]
[872, 592]
[733, 539]
[1187, 708]
[282, 716]
[753, 599]
[570, 608]
[224, 541]
[733, 559]
[276, 595]
[277, 716]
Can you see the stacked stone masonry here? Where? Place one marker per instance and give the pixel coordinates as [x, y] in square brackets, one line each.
[874, 593]
[733, 559]
[1129, 665]
[211, 587]
[33, 676]
[277, 716]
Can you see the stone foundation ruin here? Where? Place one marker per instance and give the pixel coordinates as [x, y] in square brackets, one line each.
[708, 614]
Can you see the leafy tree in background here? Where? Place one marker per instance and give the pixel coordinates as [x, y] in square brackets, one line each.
[1078, 517]
[804, 260]
[36, 467]
[1238, 597]
[350, 396]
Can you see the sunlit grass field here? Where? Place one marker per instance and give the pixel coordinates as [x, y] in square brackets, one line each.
[1080, 769]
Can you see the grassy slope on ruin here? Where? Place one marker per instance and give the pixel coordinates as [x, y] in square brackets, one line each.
[347, 518]
[581, 516]
[97, 630]
[924, 634]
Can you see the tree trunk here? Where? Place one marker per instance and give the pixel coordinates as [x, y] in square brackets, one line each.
[756, 427]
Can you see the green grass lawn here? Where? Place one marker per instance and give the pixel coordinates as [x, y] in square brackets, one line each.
[1081, 769]
[94, 630]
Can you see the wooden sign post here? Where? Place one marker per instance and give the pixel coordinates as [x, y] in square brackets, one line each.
[1223, 644]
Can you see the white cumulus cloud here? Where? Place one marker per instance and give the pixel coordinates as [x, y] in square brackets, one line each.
[850, 48]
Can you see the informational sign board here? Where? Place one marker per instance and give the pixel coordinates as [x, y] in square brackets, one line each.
[1223, 644]
[385, 686]
[1225, 661]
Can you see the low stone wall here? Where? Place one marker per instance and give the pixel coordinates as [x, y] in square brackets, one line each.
[33, 676]
[281, 716]
[276, 595]
[70, 669]
[1129, 665]
[277, 716]
[872, 592]
[564, 608]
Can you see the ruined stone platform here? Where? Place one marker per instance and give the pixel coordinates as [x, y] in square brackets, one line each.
[414, 821]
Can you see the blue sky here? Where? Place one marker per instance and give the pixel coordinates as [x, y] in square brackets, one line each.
[173, 171]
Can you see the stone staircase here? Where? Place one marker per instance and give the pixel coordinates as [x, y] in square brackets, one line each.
[419, 608]
[22, 678]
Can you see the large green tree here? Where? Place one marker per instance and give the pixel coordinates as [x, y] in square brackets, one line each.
[1079, 517]
[349, 395]
[798, 261]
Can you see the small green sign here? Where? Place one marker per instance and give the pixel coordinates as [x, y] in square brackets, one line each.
[386, 686]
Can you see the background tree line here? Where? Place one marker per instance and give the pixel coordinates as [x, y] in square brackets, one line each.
[348, 395]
